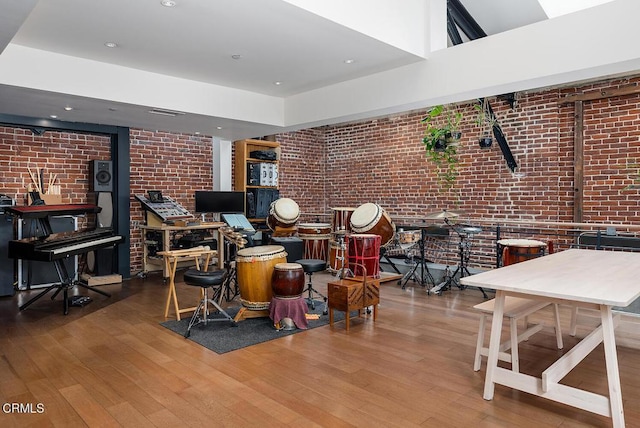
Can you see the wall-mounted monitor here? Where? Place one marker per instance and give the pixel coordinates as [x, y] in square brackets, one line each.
[219, 202]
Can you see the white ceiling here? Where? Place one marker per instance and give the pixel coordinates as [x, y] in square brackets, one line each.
[53, 55]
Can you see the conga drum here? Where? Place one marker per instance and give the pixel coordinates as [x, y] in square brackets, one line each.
[316, 237]
[283, 212]
[254, 268]
[519, 250]
[337, 255]
[371, 218]
[288, 280]
[341, 219]
[364, 249]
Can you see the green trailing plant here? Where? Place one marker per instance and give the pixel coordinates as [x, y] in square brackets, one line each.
[485, 120]
[440, 142]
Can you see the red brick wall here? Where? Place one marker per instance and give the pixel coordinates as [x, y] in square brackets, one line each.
[175, 164]
[383, 161]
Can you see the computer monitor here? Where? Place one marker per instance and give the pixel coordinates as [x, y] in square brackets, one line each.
[219, 201]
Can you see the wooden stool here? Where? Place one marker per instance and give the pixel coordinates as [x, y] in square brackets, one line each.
[171, 260]
[515, 308]
[350, 294]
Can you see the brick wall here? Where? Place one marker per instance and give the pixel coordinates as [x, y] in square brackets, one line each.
[383, 161]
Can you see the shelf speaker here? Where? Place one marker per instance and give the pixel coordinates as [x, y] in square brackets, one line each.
[101, 176]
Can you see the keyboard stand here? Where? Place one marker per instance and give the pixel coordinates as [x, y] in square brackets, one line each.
[65, 283]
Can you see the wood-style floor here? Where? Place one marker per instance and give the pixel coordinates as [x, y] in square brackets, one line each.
[111, 363]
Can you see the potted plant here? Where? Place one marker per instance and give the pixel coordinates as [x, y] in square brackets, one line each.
[440, 141]
[486, 120]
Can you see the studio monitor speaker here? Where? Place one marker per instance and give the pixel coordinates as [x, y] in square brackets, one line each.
[101, 176]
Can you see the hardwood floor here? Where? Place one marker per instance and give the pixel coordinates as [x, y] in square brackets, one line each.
[111, 363]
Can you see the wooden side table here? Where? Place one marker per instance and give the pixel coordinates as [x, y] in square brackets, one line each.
[172, 259]
[351, 294]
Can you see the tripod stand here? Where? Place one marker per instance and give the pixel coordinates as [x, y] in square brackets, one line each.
[464, 253]
[229, 289]
[424, 274]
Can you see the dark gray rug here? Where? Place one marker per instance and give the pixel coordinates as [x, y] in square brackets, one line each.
[222, 336]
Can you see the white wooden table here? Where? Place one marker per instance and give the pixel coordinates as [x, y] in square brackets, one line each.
[586, 278]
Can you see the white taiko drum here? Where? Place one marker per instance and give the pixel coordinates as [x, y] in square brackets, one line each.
[283, 212]
[373, 219]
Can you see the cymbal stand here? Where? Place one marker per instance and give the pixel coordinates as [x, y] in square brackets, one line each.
[424, 274]
[464, 253]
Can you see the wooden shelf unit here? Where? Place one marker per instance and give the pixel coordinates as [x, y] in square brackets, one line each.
[243, 149]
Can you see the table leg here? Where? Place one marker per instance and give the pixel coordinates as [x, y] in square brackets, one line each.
[611, 360]
[494, 345]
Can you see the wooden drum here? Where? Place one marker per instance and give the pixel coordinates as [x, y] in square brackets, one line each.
[364, 249]
[519, 250]
[254, 267]
[288, 280]
[316, 237]
[341, 220]
[373, 219]
[337, 255]
[283, 212]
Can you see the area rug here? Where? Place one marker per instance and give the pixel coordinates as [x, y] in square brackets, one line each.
[222, 337]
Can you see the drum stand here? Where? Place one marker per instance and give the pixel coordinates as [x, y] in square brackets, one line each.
[340, 257]
[424, 269]
[229, 289]
[464, 252]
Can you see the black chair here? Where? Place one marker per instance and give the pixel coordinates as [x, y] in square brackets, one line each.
[205, 280]
[310, 266]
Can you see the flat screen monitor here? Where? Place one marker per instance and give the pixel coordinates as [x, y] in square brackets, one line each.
[219, 202]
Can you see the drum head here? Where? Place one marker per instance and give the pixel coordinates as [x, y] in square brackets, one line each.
[521, 243]
[288, 266]
[366, 215]
[261, 250]
[315, 225]
[286, 209]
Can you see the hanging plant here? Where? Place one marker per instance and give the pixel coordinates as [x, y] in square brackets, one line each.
[485, 119]
[440, 142]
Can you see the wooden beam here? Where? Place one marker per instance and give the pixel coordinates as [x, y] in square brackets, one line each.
[578, 162]
[597, 95]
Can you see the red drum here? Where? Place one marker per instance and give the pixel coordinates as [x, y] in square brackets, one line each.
[283, 212]
[337, 255]
[316, 237]
[341, 221]
[254, 267]
[372, 218]
[520, 250]
[288, 280]
[364, 249]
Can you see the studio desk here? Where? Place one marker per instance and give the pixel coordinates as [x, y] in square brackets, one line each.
[154, 263]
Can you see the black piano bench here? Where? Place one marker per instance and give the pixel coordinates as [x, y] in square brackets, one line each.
[205, 280]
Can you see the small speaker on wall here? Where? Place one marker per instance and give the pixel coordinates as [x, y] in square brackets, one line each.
[101, 176]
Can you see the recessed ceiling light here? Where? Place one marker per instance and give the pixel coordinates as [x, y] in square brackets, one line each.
[68, 108]
[111, 45]
[53, 116]
[218, 127]
[168, 3]
[278, 83]
[236, 56]
[349, 61]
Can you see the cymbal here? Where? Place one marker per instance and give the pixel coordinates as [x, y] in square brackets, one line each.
[443, 214]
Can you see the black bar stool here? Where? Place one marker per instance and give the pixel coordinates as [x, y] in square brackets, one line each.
[310, 266]
[213, 279]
